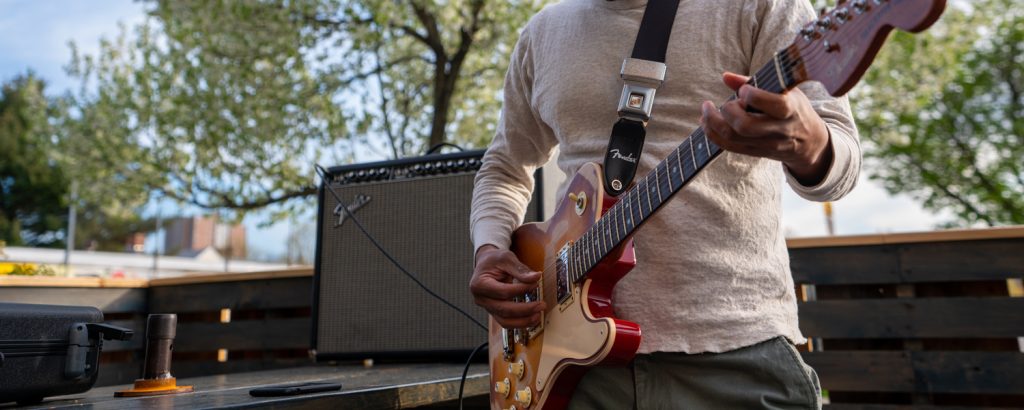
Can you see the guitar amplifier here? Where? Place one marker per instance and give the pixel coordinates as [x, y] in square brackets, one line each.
[418, 210]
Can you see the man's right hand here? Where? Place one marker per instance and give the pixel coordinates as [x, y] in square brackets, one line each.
[498, 277]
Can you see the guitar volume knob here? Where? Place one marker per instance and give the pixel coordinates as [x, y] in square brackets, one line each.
[524, 397]
[517, 368]
[503, 387]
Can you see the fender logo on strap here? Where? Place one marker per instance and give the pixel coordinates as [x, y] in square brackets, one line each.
[617, 155]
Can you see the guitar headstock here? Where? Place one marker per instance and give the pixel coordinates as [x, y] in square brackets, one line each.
[837, 48]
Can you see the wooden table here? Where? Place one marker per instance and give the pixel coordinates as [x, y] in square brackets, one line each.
[387, 386]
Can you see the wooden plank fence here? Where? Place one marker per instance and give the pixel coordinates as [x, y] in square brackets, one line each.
[925, 321]
[226, 323]
[928, 321]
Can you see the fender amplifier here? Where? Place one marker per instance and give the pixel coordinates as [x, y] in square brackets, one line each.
[418, 210]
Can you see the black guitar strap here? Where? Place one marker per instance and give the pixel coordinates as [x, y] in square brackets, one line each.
[641, 74]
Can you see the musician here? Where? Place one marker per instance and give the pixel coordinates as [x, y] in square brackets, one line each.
[712, 289]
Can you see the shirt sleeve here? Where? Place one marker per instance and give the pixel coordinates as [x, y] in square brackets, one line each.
[521, 144]
[776, 27]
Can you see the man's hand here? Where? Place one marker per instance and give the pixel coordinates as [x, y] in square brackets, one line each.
[788, 129]
[498, 277]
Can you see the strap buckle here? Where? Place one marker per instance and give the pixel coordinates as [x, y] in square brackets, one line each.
[642, 78]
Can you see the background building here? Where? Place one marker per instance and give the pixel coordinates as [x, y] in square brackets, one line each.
[191, 236]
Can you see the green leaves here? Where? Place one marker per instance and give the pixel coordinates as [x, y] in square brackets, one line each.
[942, 118]
[226, 104]
[31, 186]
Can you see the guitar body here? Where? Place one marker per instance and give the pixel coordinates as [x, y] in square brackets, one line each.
[581, 331]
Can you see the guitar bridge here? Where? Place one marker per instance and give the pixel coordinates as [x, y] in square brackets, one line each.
[534, 295]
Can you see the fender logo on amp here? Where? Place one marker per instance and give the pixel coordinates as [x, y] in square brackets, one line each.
[356, 205]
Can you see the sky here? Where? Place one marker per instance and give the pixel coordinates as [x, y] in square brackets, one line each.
[34, 35]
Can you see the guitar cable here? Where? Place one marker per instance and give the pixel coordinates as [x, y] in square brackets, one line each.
[324, 176]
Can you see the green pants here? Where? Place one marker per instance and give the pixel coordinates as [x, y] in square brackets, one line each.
[767, 375]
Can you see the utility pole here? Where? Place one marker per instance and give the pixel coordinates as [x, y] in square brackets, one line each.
[828, 219]
[156, 239]
[72, 215]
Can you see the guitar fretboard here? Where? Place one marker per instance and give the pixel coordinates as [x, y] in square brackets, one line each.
[651, 191]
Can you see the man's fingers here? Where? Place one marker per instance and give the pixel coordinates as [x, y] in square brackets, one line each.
[746, 124]
[507, 309]
[518, 323]
[778, 106]
[492, 288]
[511, 265]
[717, 129]
[733, 80]
[727, 132]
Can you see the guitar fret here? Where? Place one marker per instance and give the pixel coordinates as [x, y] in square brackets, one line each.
[692, 156]
[778, 71]
[677, 167]
[588, 250]
[606, 239]
[574, 260]
[649, 189]
[633, 209]
[679, 156]
[622, 218]
[657, 184]
[706, 147]
[628, 218]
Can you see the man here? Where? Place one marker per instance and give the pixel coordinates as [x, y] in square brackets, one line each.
[712, 290]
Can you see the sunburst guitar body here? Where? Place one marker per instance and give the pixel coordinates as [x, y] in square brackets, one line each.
[539, 367]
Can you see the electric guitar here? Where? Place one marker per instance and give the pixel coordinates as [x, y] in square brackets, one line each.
[586, 247]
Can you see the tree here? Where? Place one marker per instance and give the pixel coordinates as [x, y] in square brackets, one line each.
[226, 104]
[32, 186]
[942, 114]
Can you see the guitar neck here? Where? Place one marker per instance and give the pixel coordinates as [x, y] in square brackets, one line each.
[653, 190]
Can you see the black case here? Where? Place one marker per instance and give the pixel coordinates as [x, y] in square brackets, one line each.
[48, 350]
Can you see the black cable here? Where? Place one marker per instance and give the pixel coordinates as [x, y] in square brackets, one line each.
[438, 147]
[465, 371]
[327, 183]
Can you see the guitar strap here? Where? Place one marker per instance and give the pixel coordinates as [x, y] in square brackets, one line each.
[641, 74]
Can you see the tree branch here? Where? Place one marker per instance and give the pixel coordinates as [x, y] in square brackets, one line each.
[945, 189]
[433, 37]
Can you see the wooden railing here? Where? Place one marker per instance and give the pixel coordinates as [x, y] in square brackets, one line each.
[930, 319]
[933, 319]
[226, 323]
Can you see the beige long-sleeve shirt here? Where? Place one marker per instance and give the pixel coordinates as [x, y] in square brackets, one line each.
[713, 270]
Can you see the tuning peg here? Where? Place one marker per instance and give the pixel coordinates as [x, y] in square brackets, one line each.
[842, 15]
[825, 23]
[859, 6]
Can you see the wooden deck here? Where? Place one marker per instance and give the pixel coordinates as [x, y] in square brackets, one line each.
[378, 387]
